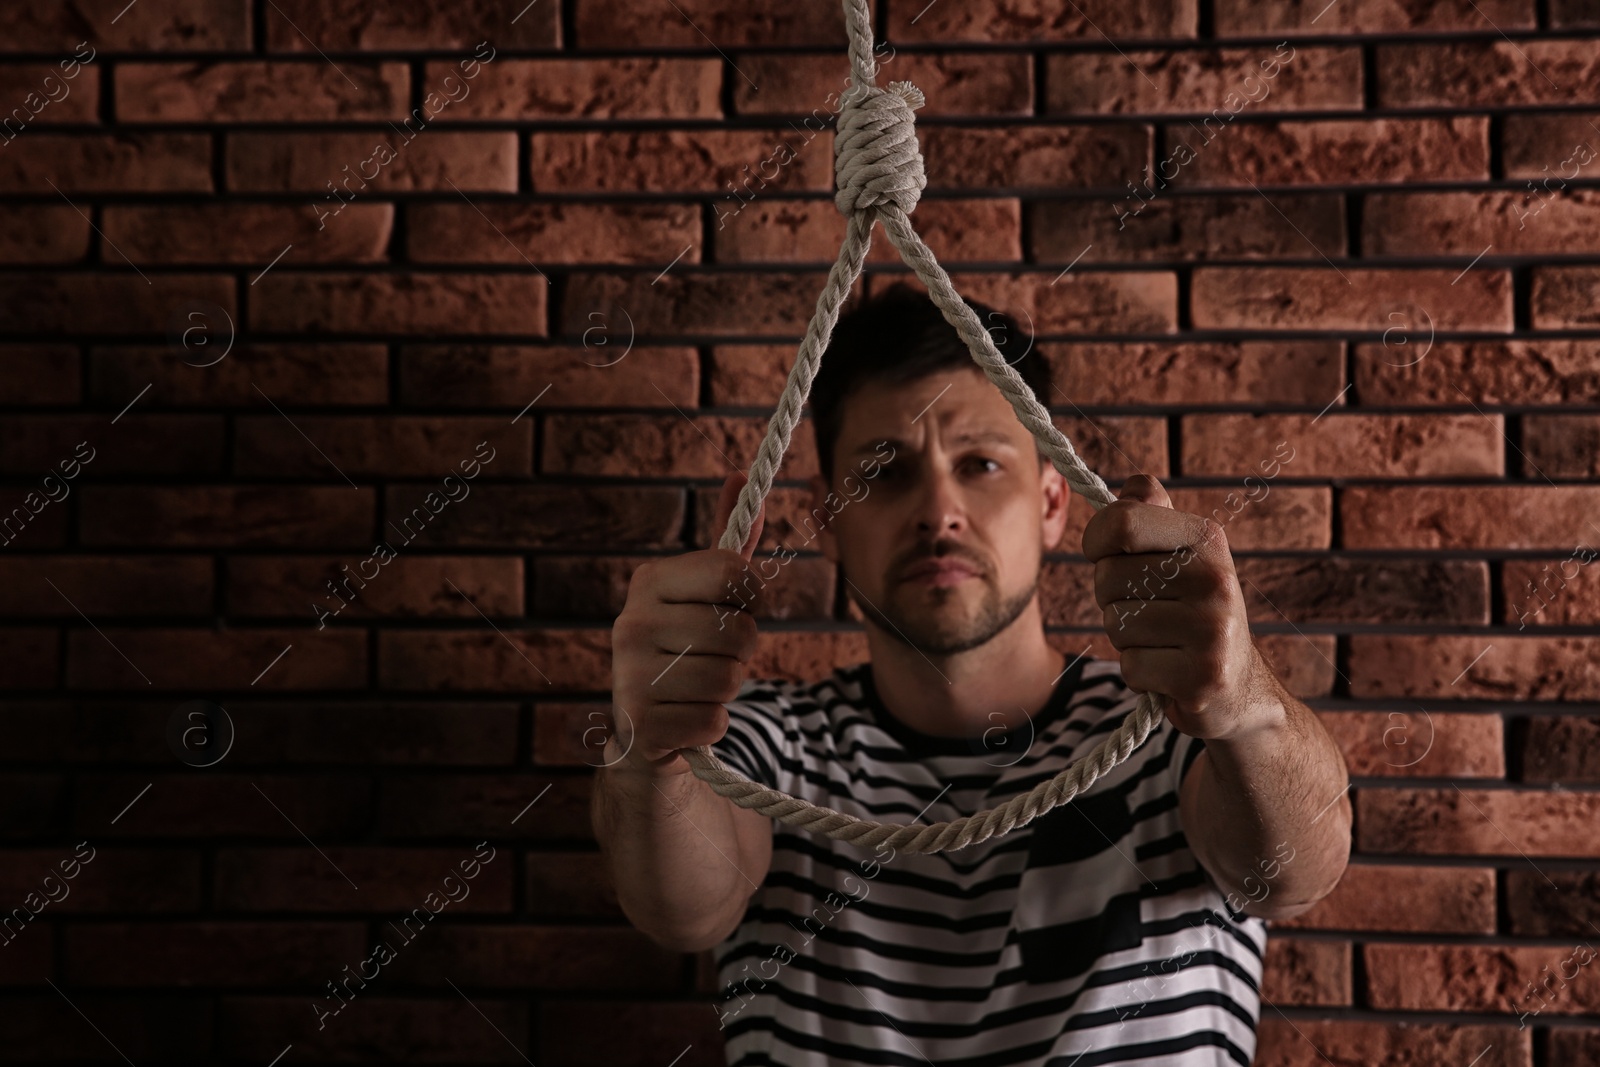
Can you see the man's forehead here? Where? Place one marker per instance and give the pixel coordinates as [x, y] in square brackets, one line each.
[960, 402]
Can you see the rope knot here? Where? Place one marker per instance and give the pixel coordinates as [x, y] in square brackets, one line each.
[875, 156]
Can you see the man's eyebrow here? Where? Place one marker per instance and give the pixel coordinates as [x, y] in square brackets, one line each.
[992, 437]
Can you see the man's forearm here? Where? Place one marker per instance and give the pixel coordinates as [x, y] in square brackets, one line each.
[673, 854]
[1275, 808]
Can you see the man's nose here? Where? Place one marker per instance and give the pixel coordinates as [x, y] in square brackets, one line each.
[939, 504]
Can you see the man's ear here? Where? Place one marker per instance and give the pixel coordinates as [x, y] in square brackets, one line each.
[817, 516]
[1056, 497]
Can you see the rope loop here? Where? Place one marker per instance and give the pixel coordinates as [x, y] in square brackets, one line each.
[879, 170]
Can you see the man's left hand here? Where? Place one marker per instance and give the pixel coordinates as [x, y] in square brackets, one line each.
[1173, 608]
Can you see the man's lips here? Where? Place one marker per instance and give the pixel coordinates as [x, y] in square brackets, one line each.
[940, 571]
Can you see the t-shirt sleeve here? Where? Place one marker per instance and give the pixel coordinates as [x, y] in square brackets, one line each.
[755, 742]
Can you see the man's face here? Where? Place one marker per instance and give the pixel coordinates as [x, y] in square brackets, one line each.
[962, 491]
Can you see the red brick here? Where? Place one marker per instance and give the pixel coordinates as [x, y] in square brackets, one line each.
[614, 1033]
[1441, 223]
[191, 660]
[339, 167]
[1520, 668]
[114, 879]
[40, 374]
[1351, 299]
[337, 730]
[1303, 972]
[230, 954]
[21, 529]
[1566, 297]
[616, 24]
[811, 231]
[1439, 517]
[664, 446]
[1572, 13]
[265, 515]
[106, 585]
[543, 807]
[107, 163]
[732, 164]
[401, 446]
[534, 233]
[1035, 155]
[1284, 1042]
[1483, 73]
[36, 445]
[278, 807]
[292, 302]
[747, 302]
[1198, 373]
[815, 84]
[578, 587]
[1569, 1044]
[1112, 301]
[1344, 445]
[117, 302]
[574, 884]
[180, 26]
[1480, 978]
[49, 94]
[788, 524]
[1561, 748]
[311, 90]
[1188, 228]
[256, 234]
[351, 25]
[1543, 371]
[481, 660]
[588, 374]
[391, 880]
[479, 1029]
[1365, 590]
[296, 586]
[1417, 743]
[37, 801]
[1040, 20]
[1333, 151]
[1239, 18]
[1561, 446]
[43, 233]
[1556, 592]
[1418, 900]
[148, 1027]
[749, 375]
[523, 517]
[573, 958]
[1550, 145]
[627, 87]
[300, 374]
[30, 958]
[1155, 82]
[1477, 822]
[1560, 904]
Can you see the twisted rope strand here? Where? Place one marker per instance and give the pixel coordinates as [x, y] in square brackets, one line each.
[878, 169]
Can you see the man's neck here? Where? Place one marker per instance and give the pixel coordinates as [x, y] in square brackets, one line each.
[996, 685]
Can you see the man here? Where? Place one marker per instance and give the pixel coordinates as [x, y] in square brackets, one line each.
[1124, 927]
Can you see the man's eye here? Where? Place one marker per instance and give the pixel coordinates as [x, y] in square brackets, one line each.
[982, 459]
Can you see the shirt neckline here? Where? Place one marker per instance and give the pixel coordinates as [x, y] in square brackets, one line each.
[921, 745]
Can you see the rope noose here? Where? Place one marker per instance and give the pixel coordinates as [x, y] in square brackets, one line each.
[878, 169]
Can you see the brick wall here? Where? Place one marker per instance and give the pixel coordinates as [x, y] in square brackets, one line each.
[242, 343]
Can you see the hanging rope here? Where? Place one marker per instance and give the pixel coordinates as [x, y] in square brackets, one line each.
[878, 168]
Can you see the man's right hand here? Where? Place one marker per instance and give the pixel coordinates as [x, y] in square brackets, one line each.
[679, 649]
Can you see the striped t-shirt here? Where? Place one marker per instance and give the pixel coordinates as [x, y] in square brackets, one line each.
[1090, 936]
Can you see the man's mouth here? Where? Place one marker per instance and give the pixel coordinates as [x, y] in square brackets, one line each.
[940, 572]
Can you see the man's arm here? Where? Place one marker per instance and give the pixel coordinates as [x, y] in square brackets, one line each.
[684, 860]
[1267, 812]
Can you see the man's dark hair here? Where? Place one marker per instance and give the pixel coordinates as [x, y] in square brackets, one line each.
[898, 336]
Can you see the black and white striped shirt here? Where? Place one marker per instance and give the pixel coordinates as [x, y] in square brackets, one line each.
[1090, 936]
